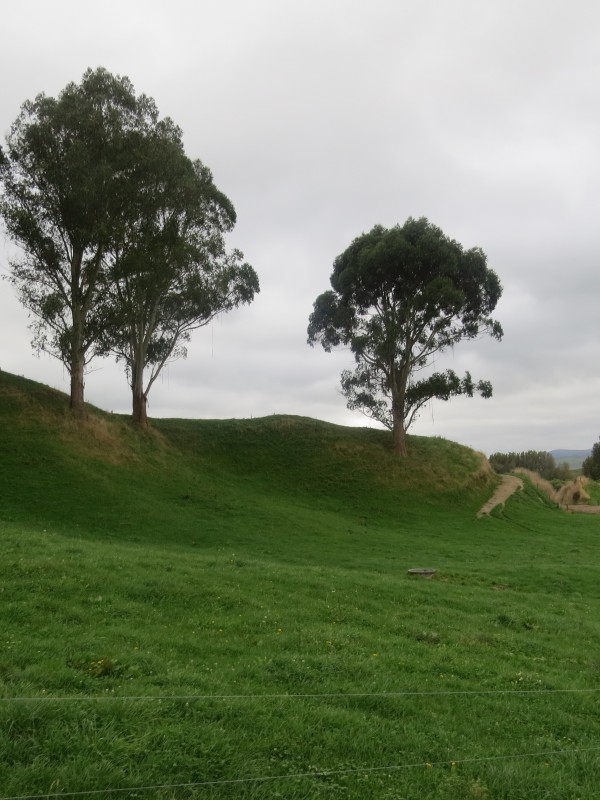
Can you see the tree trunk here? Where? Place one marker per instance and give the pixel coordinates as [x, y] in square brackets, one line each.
[76, 403]
[140, 415]
[398, 387]
[399, 434]
[140, 401]
[76, 343]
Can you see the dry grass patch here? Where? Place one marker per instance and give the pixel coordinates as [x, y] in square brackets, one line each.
[100, 438]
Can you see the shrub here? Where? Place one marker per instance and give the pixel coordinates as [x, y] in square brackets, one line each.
[591, 465]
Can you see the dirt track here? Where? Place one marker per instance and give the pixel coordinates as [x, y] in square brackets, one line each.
[581, 509]
[510, 484]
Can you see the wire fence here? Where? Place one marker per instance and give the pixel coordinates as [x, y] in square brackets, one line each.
[302, 775]
[298, 696]
[289, 696]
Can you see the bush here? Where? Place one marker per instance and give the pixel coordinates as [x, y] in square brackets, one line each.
[591, 465]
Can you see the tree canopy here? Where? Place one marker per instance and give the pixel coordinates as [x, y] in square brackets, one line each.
[121, 233]
[171, 272]
[65, 180]
[400, 296]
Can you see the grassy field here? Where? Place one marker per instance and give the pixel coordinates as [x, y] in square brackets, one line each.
[221, 609]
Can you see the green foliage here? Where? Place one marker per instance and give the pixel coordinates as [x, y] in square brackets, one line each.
[593, 489]
[227, 570]
[536, 460]
[170, 272]
[65, 178]
[366, 390]
[122, 234]
[398, 297]
[591, 465]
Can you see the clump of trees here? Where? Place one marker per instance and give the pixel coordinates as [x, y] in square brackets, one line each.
[121, 233]
[536, 460]
[591, 465]
[399, 297]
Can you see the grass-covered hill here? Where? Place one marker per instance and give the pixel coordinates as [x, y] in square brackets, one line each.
[284, 485]
[214, 607]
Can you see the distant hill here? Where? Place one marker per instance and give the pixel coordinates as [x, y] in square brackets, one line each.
[574, 458]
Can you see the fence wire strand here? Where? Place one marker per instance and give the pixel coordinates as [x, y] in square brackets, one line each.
[301, 775]
[283, 696]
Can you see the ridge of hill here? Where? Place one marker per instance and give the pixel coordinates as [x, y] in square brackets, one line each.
[565, 453]
[101, 473]
[573, 458]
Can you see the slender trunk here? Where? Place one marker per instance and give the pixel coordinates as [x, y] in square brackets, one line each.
[140, 400]
[77, 353]
[398, 409]
[76, 403]
[77, 365]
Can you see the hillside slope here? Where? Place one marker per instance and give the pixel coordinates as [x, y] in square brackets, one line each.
[203, 480]
[224, 608]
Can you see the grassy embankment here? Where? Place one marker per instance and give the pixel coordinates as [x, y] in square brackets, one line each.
[245, 561]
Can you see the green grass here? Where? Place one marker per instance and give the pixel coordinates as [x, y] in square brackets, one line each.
[593, 489]
[216, 568]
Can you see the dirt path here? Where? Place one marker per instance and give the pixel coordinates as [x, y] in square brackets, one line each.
[510, 484]
[565, 504]
[581, 509]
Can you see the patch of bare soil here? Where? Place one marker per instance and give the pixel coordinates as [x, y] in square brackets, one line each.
[583, 509]
[510, 484]
[572, 496]
[567, 498]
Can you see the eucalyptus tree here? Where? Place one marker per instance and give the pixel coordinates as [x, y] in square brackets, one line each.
[65, 177]
[170, 273]
[399, 297]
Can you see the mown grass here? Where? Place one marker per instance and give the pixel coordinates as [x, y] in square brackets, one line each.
[248, 579]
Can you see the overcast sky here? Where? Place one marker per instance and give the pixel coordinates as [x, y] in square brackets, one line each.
[322, 119]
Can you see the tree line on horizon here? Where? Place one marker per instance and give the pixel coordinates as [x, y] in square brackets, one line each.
[538, 461]
[122, 240]
[545, 464]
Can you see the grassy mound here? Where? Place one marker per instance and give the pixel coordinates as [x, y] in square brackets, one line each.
[263, 481]
[226, 604]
